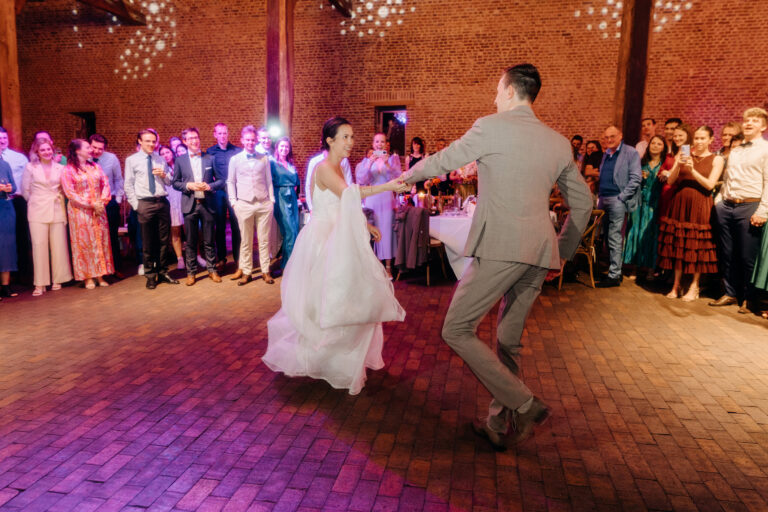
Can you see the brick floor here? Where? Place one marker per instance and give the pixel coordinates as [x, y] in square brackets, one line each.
[128, 399]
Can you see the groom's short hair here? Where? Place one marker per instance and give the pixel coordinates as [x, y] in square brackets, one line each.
[525, 79]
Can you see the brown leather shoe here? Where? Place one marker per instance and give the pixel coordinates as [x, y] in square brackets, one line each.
[190, 280]
[244, 280]
[725, 300]
[237, 275]
[220, 265]
[214, 276]
[268, 278]
[525, 422]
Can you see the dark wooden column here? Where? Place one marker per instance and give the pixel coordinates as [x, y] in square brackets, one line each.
[632, 68]
[280, 62]
[10, 91]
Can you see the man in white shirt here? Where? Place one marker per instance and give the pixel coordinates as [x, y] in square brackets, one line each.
[18, 162]
[111, 167]
[250, 191]
[345, 168]
[146, 176]
[648, 130]
[743, 211]
[195, 176]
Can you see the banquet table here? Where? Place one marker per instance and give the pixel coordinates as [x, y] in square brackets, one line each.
[453, 231]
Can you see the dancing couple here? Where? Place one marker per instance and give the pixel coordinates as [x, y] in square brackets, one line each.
[335, 293]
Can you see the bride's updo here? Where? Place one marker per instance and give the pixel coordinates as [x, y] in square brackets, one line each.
[331, 128]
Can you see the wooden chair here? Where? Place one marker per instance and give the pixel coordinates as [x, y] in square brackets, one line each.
[587, 246]
[437, 246]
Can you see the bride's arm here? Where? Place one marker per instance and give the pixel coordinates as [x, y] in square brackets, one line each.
[327, 178]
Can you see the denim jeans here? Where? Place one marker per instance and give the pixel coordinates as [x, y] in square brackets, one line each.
[615, 214]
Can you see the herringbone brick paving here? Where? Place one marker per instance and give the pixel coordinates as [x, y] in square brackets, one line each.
[128, 399]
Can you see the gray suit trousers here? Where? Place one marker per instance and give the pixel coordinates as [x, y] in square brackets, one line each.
[483, 284]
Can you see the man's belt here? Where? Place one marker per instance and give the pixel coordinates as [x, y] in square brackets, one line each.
[742, 201]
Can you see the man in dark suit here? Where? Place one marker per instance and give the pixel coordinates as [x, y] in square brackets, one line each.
[195, 176]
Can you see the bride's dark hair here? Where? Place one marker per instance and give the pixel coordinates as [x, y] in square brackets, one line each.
[331, 128]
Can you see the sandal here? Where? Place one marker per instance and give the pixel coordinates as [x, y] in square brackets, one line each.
[90, 285]
[5, 291]
[764, 314]
[692, 295]
[674, 294]
[39, 290]
[56, 287]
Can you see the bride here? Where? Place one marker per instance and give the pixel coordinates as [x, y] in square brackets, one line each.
[335, 292]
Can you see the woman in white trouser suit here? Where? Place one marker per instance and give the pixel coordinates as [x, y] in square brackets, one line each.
[41, 187]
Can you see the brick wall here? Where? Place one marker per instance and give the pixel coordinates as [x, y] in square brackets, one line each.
[444, 60]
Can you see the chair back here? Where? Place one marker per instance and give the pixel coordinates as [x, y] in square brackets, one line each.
[587, 245]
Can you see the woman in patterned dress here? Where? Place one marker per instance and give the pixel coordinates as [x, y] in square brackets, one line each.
[87, 189]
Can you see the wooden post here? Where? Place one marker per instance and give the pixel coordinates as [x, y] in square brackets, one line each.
[632, 67]
[280, 62]
[10, 90]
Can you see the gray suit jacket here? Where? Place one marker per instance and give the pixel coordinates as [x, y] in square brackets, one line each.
[519, 159]
[627, 174]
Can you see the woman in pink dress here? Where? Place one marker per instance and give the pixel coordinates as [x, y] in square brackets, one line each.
[87, 189]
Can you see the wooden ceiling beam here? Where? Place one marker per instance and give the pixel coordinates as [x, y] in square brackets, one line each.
[119, 8]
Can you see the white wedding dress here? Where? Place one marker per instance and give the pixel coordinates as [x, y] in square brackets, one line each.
[335, 295]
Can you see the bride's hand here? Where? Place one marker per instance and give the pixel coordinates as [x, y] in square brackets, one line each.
[374, 231]
[398, 186]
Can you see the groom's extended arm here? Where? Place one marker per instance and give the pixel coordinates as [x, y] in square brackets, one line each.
[467, 149]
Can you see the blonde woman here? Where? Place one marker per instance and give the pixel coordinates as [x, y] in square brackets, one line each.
[41, 188]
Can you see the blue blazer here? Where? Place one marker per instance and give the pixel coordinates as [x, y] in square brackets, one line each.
[182, 174]
[627, 174]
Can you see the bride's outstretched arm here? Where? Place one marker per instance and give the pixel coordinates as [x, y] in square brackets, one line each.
[326, 177]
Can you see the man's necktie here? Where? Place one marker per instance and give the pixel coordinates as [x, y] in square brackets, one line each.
[151, 176]
[195, 154]
[252, 156]
[95, 160]
[746, 144]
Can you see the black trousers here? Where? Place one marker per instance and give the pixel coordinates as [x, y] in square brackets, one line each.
[23, 241]
[115, 220]
[739, 244]
[154, 215]
[192, 224]
[222, 209]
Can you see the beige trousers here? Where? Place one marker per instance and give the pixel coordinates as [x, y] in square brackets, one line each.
[482, 285]
[258, 213]
[50, 252]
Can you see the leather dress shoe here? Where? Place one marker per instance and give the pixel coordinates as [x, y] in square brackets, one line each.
[163, 277]
[151, 283]
[190, 280]
[237, 275]
[220, 265]
[609, 282]
[214, 276]
[497, 441]
[118, 275]
[268, 278]
[526, 421]
[725, 300]
[245, 279]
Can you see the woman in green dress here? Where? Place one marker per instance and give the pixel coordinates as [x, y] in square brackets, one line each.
[640, 248]
[760, 274]
[286, 182]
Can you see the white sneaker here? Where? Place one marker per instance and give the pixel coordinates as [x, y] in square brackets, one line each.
[180, 264]
[141, 269]
[201, 262]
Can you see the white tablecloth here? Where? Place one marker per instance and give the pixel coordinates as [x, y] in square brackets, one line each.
[453, 232]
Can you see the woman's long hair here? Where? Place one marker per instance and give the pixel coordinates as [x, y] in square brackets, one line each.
[647, 155]
[289, 156]
[72, 149]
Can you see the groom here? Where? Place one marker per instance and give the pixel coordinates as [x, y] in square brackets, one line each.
[512, 241]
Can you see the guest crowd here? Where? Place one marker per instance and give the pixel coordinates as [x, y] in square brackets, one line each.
[180, 200]
[673, 207]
